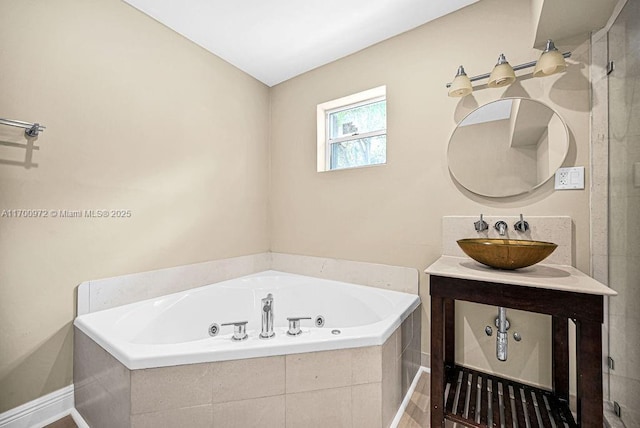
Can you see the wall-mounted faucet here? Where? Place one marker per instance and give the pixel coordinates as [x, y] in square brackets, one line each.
[521, 226]
[481, 225]
[501, 227]
[267, 317]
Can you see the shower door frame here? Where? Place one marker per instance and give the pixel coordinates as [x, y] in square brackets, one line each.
[599, 189]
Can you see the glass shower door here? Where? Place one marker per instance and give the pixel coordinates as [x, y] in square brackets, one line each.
[624, 212]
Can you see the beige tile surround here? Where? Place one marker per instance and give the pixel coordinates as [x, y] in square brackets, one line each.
[357, 387]
[101, 294]
[396, 278]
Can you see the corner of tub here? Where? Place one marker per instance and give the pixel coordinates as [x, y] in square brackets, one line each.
[83, 305]
[413, 278]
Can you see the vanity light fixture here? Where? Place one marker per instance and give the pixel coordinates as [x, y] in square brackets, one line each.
[461, 85]
[551, 61]
[502, 74]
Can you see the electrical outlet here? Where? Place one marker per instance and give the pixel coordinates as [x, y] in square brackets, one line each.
[570, 178]
[562, 178]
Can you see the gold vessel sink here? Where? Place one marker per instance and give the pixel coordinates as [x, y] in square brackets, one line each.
[506, 253]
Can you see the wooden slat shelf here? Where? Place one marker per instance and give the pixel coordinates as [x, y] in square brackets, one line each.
[512, 404]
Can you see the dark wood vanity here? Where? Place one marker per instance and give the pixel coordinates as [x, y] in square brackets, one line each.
[462, 395]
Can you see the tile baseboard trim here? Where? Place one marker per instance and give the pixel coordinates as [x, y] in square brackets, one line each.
[407, 397]
[42, 410]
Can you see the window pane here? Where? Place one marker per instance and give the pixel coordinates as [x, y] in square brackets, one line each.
[366, 118]
[361, 152]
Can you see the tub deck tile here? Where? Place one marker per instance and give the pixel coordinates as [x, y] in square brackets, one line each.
[255, 412]
[318, 370]
[323, 408]
[366, 365]
[102, 385]
[247, 379]
[192, 417]
[175, 387]
[367, 405]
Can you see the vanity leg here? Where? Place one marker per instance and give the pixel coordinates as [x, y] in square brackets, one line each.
[449, 332]
[437, 363]
[560, 352]
[589, 373]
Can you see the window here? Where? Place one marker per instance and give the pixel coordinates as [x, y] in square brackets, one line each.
[352, 131]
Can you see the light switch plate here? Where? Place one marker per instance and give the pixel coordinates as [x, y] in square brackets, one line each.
[570, 178]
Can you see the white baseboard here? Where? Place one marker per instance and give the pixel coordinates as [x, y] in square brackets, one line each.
[41, 411]
[407, 397]
[78, 419]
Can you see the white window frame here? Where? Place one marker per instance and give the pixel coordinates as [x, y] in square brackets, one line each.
[345, 103]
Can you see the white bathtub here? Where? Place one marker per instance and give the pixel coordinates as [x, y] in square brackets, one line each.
[173, 330]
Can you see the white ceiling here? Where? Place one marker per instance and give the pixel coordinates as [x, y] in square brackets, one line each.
[566, 18]
[278, 39]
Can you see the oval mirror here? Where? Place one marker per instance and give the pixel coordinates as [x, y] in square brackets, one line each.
[507, 147]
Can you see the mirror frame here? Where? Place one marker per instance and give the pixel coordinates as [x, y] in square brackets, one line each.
[566, 131]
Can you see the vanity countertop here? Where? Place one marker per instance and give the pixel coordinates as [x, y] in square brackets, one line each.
[553, 277]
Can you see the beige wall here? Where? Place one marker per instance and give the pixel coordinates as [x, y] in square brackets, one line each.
[392, 213]
[138, 118]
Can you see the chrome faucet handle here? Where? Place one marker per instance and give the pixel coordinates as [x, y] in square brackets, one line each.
[239, 330]
[267, 303]
[501, 227]
[294, 325]
[481, 225]
[267, 300]
[521, 226]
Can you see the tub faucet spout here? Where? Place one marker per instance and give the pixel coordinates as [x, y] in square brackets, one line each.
[267, 317]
